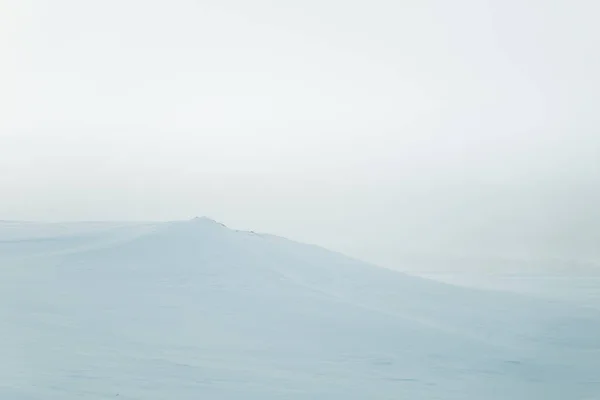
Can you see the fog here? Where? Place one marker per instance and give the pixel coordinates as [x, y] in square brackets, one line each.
[382, 129]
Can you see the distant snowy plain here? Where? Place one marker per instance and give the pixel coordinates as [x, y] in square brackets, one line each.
[195, 310]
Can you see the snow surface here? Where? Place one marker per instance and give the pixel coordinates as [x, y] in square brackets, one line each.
[194, 310]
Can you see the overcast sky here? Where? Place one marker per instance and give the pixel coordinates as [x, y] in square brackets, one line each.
[372, 127]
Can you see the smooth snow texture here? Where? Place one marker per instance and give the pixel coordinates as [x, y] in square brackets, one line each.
[192, 309]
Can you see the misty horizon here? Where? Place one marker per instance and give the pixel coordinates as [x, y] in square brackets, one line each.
[332, 122]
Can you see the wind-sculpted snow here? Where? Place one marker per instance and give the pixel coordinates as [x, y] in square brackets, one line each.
[194, 310]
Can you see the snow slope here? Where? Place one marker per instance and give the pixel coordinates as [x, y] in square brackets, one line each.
[192, 309]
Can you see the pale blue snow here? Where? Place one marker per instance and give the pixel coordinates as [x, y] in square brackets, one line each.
[194, 310]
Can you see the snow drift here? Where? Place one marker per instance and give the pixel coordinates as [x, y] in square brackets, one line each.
[192, 309]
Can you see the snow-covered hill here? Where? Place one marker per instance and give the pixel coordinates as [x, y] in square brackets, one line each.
[192, 309]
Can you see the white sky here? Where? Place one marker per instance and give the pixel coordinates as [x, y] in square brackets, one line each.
[366, 126]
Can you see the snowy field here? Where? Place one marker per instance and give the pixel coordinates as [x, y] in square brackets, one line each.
[195, 310]
[571, 281]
